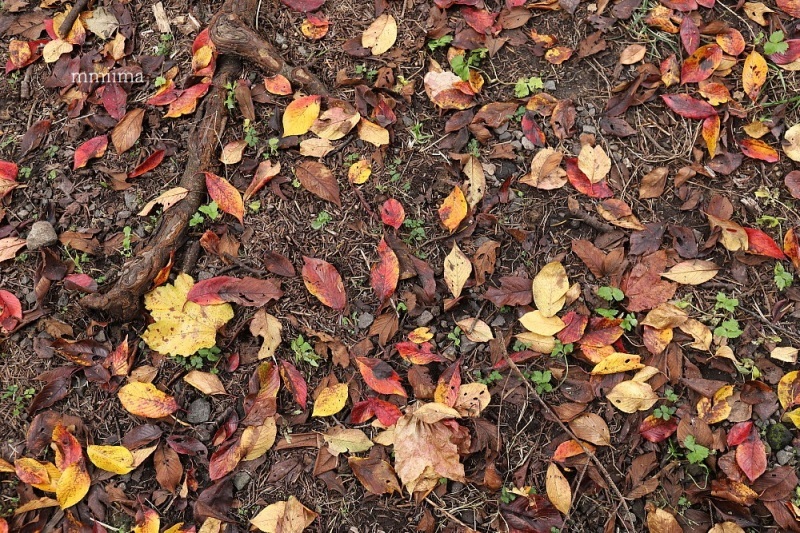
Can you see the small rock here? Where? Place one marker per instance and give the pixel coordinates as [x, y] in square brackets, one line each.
[131, 200]
[778, 436]
[42, 234]
[199, 411]
[498, 321]
[589, 129]
[241, 479]
[527, 144]
[424, 319]
[504, 137]
[279, 39]
[783, 457]
[549, 85]
[365, 320]
[467, 345]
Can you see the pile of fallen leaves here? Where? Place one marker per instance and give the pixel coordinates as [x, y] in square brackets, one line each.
[617, 341]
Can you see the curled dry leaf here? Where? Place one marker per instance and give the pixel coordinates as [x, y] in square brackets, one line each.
[167, 199]
[290, 516]
[475, 329]
[546, 172]
[268, 327]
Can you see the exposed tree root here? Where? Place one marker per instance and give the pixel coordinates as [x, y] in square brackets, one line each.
[234, 39]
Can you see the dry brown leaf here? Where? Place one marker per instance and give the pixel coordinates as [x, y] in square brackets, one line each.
[268, 327]
[205, 382]
[558, 489]
[380, 35]
[457, 269]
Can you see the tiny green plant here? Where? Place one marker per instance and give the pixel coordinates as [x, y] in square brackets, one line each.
[725, 303]
[489, 379]
[230, 96]
[519, 346]
[541, 380]
[322, 219]
[561, 350]
[202, 357]
[455, 336]
[441, 42]
[461, 63]
[303, 352]
[160, 81]
[769, 221]
[506, 496]
[211, 210]
[776, 43]
[729, 328]
[783, 279]
[611, 294]
[25, 172]
[670, 395]
[629, 322]
[417, 232]
[164, 46]
[51, 151]
[527, 86]
[18, 396]
[419, 136]
[127, 250]
[474, 147]
[664, 412]
[272, 147]
[351, 159]
[697, 453]
[250, 133]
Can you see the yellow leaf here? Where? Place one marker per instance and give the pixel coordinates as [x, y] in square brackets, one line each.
[300, 115]
[232, 152]
[150, 523]
[73, 485]
[550, 287]
[546, 326]
[793, 416]
[457, 268]
[331, 400]
[256, 440]
[269, 327]
[476, 330]
[290, 516]
[791, 143]
[182, 327]
[381, 34]
[558, 489]
[116, 459]
[359, 172]
[210, 525]
[372, 133]
[343, 440]
[594, 162]
[54, 49]
[754, 74]
[631, 396]
[789, 389]
[692, 272]
[167, 199]
[716, 410]
[144, 399]
[420, 335]
[787, 354]
[536, 342]
[476, 181]
[205, 382]
[616, 363]
[702, 335]
[453, 209]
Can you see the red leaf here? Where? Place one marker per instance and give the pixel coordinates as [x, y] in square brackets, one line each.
[80, 282]
[264, 174]
[226, 195]
[225, 459]
[114, 99]
[579, 180]
[792, 182]
[392, 213]
[690, 35]
[449, 385]
[323, 281]
[387, 413]
[152, 161]
[249, 292]
[791, 54]
[386, 273]
[739, 432]
[532, 130]
[418, 354]
[576, 325]
[688, 107]
[791, 246]
[303, 6]
[479, 20]
[294, 381]
[751, 456]
[760, 150]
[762, 244]
[94, 147]
[380, 377]
[656, 430]
[570, 448]
[10, 310]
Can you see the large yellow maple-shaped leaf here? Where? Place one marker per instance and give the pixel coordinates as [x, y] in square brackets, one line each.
[182, 327]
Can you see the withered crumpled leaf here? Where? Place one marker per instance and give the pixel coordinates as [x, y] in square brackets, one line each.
[426, 447]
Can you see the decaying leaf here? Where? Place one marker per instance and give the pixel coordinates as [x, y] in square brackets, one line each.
[290, 516]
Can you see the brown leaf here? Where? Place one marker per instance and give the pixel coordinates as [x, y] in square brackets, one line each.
[127, 132]
[375, 474]
[318, 180]
[169, 469]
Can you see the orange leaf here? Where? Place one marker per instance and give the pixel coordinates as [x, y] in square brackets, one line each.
[226, 195]
[148, 164]
[760, 150]
[711, 134]
[386, 273]
[300, 115]
[323, 281]
[264, 174]
[453, 209]
[570, 448]
[94, 147]
[186, 102]
[701, 64]
[791, 247]
[380, 377]
[731, 41]
[67, 448]
[278, 85]
[754, 74]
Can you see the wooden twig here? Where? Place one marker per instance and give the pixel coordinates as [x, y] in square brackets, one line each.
[569, 432]
[71, 17]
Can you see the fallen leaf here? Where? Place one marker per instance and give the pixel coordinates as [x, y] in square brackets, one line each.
[93, 148]
[226, 195]
[594, 163]
[323, 281]
[144, 399]
[127, 131]
[558, 490]
[331, 400]
[392, 213]
[457, 269]
[346, 440]
[373, 133]
[167, 199]
[453, 210]
[701, 64]
[205, 382]
[475, 330]
[73, 485]
[379, 376]
[754, 74]
[631, 396]
[300, 115]
[116, 459]
[692, 272]
[591, 428]
[290, 516]
[232, 152]
[751, 456]
[375, 474]
[268, 327]
[318, 180]
[385, 274]
[550, 287]
[359, 172]
[380, 35]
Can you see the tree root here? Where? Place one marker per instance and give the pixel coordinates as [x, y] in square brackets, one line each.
[234, 39]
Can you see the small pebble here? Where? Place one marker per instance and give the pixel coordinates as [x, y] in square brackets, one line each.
[424, 319]
[365, 320]
[42, 234]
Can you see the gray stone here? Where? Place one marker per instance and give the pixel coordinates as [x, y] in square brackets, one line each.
[241, 479]
[527, 144]
[199, 411]
[42, 234]
[589, 129]
[424, 319]
[467, 345]
[498, 321]
[365, 320]
[783, 457]
[549, 85]
[131, 200]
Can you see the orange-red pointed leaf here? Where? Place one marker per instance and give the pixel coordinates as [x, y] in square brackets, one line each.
[701, 64]
[323, 281]
[751, 456]
[379, 376]
[226, 195]
[94, 147]
[294, 381]
[688, 107]
[760, 243]
[386, 273]
[758, 149]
